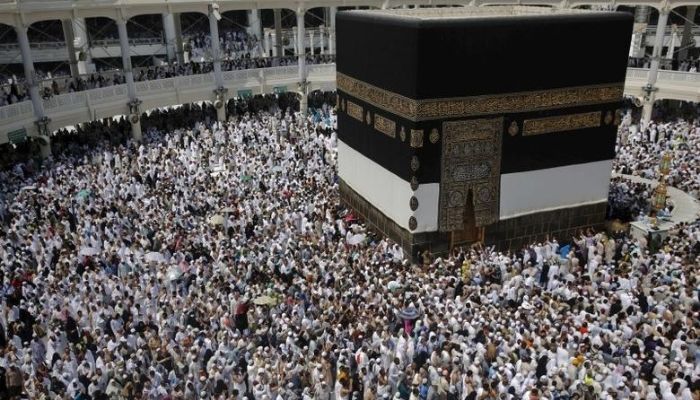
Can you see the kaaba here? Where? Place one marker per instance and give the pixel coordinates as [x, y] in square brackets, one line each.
[491, 124]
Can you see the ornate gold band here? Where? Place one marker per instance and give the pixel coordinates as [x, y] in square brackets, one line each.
[355, 111]
[385, 125]
[431, 109]
[561, 123]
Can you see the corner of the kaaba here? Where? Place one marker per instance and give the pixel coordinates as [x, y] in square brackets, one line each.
[431, 114]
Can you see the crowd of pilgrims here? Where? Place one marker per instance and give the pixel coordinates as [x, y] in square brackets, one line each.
[214, 261]
[239, 51]
[640, 148]
[233, 44]
[689, 65]
[627, 200]
[94, 81]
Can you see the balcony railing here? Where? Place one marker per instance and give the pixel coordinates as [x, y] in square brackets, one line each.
[95, 43]
[71, 107]
[665, 76]
[132, 41]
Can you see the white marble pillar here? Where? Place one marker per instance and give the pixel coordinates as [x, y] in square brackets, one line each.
[332, 11]
[80, 41]
[32, 82]
[312, 45]
[136, 132]
[296, 41]
[302, 61]
[170, 36]
[45, 147]
[215, 47]
[29, 73]
[129, 75]
[69, 37]
[273, 37]
[179, 44]
[216, 56]
[673, 42]
[268, 42]
[279, 47]
[322, 38]
[254, 25]
[654, 70]
[126, 58]
[221, 113]
[331, 31]
[687, 36]
[641, 21]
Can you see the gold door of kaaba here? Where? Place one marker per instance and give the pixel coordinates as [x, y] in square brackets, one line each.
[470, 233]
[470, 177]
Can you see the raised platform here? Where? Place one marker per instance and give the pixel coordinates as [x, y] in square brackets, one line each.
[686, 210]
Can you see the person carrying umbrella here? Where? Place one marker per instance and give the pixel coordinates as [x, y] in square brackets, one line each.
[240, 313]
[409, 315]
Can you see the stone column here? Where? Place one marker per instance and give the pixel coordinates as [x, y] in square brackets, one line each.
[179, 45]
[673, 42]
[255, 29]
[221, 113]
[296, 40]
[33, 87]
[266, 43]
[67, 26]
[332, 11]
[273, 38]
[126, 57]
[302, 61]
[687, 38]
[30, 77]
[220, 90]
[641, 20]
[312, 45]
[171, 38]
[133, 104]
[279, 49]
[215, 47]
[322, 38]
[650, 88]
[254, 25]
[44, 138]
[220, 103]
[80, 36]
[331, 31]
[136, 132]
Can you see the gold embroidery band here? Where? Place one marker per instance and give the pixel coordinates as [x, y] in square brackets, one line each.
[561, 123]
[385, 125]
[389, 101]
[354, 111]
[424, 110]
